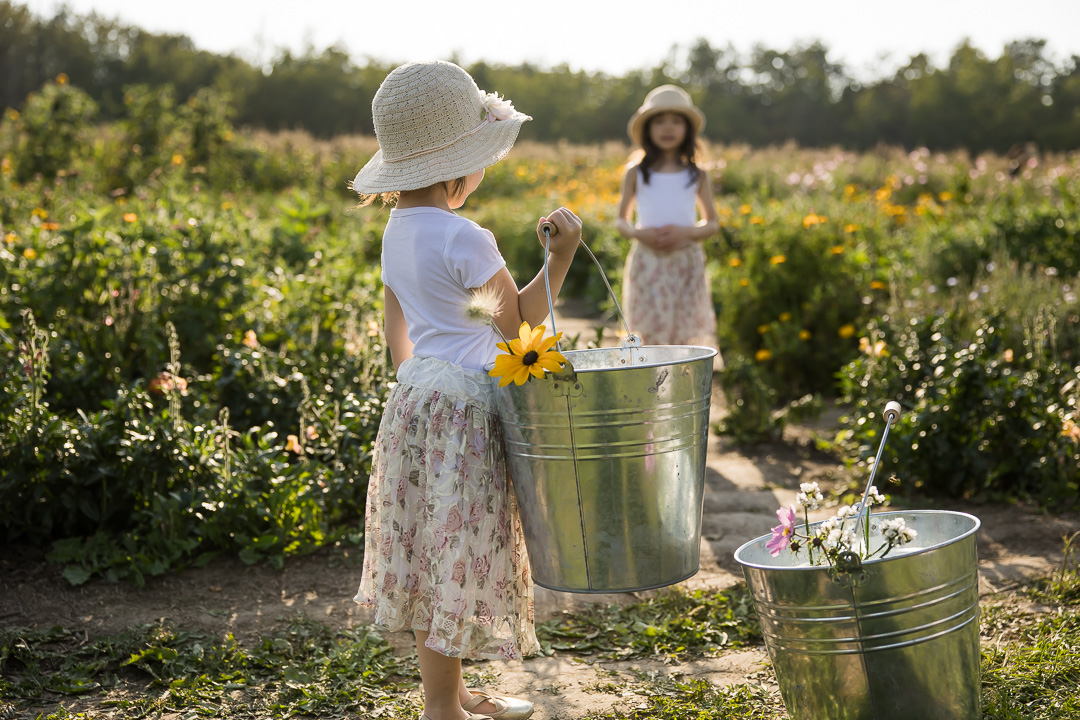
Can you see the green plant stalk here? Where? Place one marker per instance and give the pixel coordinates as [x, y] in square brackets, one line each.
[174, 373]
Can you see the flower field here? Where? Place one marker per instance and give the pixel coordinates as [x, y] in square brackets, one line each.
[190, 319]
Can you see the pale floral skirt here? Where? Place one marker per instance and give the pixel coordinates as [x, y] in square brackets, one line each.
[667, 298]
[444, 550]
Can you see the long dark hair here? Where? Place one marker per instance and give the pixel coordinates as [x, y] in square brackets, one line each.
[687, 151]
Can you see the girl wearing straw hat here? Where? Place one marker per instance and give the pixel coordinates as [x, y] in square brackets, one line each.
[666, 293]
[444, 553]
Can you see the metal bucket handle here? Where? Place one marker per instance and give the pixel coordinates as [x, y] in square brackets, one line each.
[631, 340]
[850, 563]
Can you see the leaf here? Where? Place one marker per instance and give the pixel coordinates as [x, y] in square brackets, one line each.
[76, 574]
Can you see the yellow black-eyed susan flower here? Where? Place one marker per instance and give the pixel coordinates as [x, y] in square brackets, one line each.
[528, 355]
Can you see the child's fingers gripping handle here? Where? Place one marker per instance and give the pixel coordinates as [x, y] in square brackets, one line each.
[548, 229]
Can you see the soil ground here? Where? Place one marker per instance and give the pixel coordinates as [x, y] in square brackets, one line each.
[743, 488]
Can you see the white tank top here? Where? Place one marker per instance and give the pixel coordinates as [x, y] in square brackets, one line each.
[667, 199]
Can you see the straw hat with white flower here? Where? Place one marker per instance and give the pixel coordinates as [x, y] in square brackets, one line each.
[434, 125]
[666, 98]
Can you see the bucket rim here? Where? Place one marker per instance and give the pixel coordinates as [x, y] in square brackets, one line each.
[976, 524]
[708, 354]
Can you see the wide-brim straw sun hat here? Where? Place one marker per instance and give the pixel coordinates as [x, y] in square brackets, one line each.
[666, 98]
[433, 125]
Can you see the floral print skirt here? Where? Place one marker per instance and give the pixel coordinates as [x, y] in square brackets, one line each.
[667, 298]
[444, 550]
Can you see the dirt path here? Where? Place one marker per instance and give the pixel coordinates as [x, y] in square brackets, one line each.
[742, 491]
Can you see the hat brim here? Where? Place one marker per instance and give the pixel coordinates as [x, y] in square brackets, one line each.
[637, 122]
[482, 149]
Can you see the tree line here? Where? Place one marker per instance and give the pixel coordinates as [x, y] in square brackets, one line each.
[764, 97]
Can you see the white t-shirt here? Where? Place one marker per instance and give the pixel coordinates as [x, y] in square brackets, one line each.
[431, 258]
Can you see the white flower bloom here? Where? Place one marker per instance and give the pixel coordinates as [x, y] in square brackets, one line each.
[875, 497]
[896, 532]
[809, 496]
[846, 511]
[496, 107]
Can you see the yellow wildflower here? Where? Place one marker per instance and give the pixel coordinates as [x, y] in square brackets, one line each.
[762, 329]
[39, 212]
[785, 316]
[29, 253]
[777, 259]
[735, 262]
[62, 79]
[744, 282]
[846, 331]
[1071, 430]
[836, 249]
[130, 217]
[528, 355]
[10, 238]
[804, 335]
[50, 226]
[756, 220]
[177, 159]
[763, 354]
[813, 219]
[944, 196]
[851, 227]
[745, 209]
[876, 349]
[877, 285]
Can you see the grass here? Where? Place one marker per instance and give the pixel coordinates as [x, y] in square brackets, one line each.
[671, 625]
[1030, 668]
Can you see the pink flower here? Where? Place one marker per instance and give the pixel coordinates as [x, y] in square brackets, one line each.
[781, 534]
[482, 565]
[458, 574]
[454, 520]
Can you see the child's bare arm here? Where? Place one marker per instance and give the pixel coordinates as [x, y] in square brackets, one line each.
[530, 303]
[397, 330]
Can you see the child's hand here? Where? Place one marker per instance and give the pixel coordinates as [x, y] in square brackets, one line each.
[567, 235]
[672, 237]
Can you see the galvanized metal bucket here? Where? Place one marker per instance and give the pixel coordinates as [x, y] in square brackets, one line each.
[895, 638]
[608, 464]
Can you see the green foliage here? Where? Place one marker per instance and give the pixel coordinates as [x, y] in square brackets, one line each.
[674, 624]
[53, 130]
[1031, 668]
[198, 373]
[306, 668]
[673, 698]
[781, 318]
[753, 415]
[981, 418]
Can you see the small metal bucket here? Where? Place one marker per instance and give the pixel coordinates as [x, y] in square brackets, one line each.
[608, 464]
[895, 638]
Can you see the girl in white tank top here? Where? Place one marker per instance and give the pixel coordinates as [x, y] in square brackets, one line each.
[667, 210]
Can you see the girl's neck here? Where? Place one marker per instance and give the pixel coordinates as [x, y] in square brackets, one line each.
[432, 196]
[667, 162]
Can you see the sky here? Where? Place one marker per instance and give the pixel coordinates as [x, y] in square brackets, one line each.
[870, 39]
